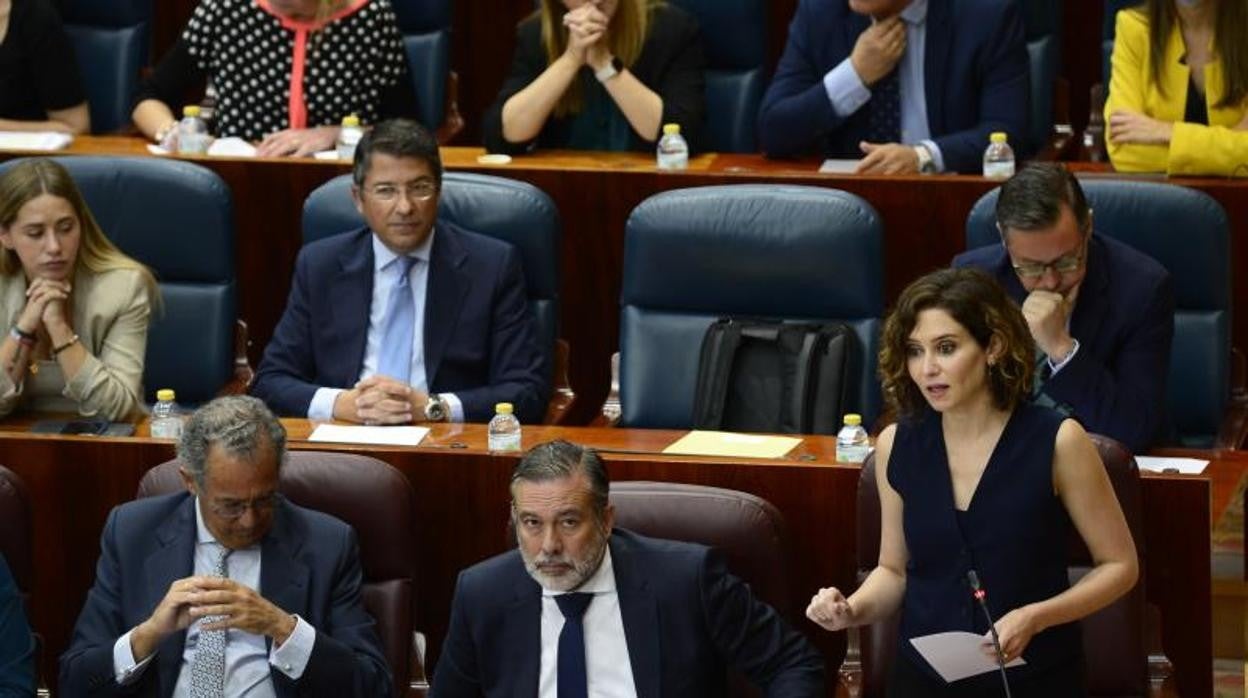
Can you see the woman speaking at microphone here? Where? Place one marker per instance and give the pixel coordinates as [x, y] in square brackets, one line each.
[973, 478]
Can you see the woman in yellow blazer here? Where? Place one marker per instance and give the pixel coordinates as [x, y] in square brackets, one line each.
[1178, 97]
[76, 309]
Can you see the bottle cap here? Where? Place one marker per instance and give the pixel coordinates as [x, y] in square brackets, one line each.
[998, 137]
[164, 395]
[351, 121]
[190, 110]
[669, 129]
[853, 420]
[503, 408]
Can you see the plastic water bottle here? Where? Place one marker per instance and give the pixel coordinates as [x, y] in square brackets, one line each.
[852, 442]
[166, 417]
[504, 429]
[193, 135]
[673, 151]
[999, 157]
[348, 136]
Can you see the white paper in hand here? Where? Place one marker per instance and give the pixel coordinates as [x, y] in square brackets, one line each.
[957, 655]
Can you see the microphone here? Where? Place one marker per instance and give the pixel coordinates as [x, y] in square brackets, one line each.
[978, 592]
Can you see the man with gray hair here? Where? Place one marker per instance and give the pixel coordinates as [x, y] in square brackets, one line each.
[617, 614]
[227, 588]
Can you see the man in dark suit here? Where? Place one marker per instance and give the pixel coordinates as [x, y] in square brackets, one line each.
[582, 609]
[404, 320]
[1102, 313]
[910, 85]
[227, 589]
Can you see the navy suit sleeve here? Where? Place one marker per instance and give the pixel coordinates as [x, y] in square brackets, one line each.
[87, 666]
[17, 646]
[1003, 97]
[1124, 399]
[457, 675]
[346, 658]
[284, 380]
[796, 113]
[751, 636]
[515, 362]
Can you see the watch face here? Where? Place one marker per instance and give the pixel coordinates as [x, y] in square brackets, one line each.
[435, 411]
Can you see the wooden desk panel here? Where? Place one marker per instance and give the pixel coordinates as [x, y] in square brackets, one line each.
[462, 518]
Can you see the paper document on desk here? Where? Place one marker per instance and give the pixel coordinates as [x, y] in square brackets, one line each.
[724, 443]
[34, 140]
[390, 436]
[1186, 466]
[957, 655]
[834, 166]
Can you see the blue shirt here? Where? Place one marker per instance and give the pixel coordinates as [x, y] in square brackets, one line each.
[848, 93]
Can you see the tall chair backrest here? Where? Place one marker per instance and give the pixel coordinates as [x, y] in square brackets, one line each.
[178, 219]
[1042, 24]
[426, 29]
[1187, 232]
[1114, 649]
[748, 530]
[375, 500]
[1108, 30]
[509, 210]
[785, 252]
[15, 529]
[111, 43]
[734, 37]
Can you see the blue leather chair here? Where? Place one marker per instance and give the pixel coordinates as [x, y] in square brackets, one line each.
[178, 219]
[1188, 233]
[734, 36]
[1042, 24]
[111, 42]
[512, 211]
[1108, 29]
[426, 29]
[694, 255]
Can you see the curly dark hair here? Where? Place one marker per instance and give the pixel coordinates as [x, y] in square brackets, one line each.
[978, 303]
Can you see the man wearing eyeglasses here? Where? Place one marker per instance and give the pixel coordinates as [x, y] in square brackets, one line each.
[226, 589]
[409, 318]
[1101, 312]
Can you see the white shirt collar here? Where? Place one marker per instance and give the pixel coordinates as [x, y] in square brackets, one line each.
[601, 581]
[383, 256]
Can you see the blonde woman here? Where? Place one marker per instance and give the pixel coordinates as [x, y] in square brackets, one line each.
[285, 71]
[75, 308]
[599, 75]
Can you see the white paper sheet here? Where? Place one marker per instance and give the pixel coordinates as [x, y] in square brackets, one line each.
[957, 655]
[390, 436]
[232, 147]
[34, 140]
[1186, 466]
[834, 166]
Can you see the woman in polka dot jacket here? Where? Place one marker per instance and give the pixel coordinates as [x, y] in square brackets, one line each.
[285, 72]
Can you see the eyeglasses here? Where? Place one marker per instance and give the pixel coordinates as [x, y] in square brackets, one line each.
[235, 508]
[421, 191]
[1061, 265]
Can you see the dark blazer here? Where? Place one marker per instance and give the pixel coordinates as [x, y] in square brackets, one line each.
[1124, 321]
[685, 618]
[671, 64]
[17, 645]
[975, 74]
[310, 566]
[479, 336]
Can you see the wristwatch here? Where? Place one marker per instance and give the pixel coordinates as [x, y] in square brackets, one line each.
[926, 164]
[610, 70]
[435, 409]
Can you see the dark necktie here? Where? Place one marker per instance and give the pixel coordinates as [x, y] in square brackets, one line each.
[573, 682]
[884, 110]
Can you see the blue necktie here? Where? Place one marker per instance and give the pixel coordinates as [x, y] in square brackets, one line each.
[572, 679]
[399, 325]
[884, 110]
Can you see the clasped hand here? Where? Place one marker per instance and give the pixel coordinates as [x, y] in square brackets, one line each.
[238, 608]
[587, 25]
[46, 305]
[380, 400]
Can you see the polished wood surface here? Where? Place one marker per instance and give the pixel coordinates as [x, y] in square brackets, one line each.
[462, 493]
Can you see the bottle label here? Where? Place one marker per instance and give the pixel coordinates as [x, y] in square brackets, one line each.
[504, 442]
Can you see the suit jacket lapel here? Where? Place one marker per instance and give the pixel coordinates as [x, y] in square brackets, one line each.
[173, 560]
[283, 578]
[444, 297]
[522, 635]
[939, 37]
[1091, 304]
[640, 612]
[351, 297]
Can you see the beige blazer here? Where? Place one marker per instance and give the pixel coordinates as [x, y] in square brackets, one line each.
[111, 314]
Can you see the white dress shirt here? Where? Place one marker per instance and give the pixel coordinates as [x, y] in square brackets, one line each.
[607, 665]
[247, 659]
[386, 271]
